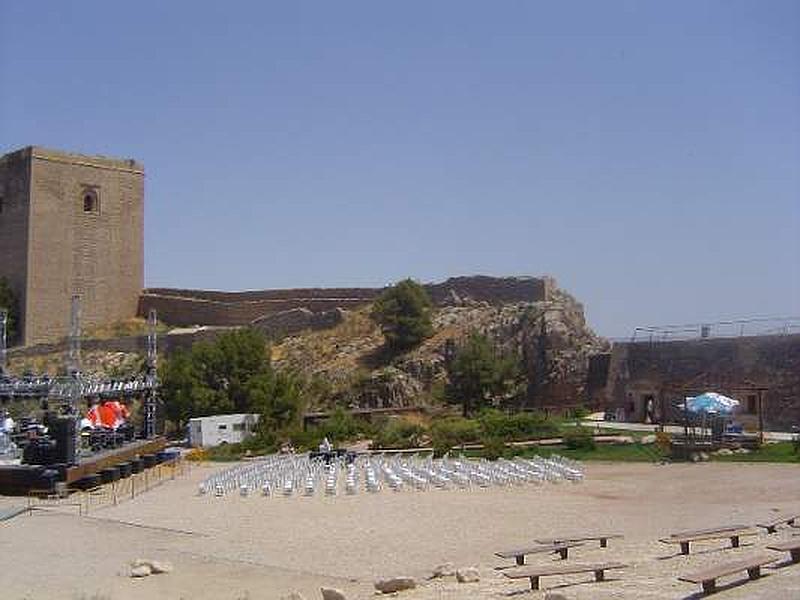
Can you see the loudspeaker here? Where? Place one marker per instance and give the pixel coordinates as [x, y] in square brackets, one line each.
[64, 431]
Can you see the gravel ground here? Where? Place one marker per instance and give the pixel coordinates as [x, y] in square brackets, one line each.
[255, 547]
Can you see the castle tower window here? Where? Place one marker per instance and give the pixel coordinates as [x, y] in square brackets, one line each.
[91, 201]
[2, 204]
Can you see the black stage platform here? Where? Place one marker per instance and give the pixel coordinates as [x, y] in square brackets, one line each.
[19, 480]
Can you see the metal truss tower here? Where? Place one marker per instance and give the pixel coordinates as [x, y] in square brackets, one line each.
[151, 399]
[3, 325]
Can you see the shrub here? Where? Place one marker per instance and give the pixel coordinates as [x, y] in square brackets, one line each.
[448, 433]
[579, 438]
[516, 427]
[494, 448]
[581, 412]
[398, 433]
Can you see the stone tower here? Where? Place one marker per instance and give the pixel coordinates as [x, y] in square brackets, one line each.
[71, 225]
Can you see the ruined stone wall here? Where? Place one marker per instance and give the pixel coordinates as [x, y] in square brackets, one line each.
[95, 254]
[14, 211]
[204, 307]
[726, 365]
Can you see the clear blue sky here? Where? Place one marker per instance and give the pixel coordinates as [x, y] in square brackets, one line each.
[646, 154]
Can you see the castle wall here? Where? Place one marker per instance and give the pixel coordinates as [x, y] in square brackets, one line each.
[14, 221]
[96, 254]
[731, 366]
[204, 307]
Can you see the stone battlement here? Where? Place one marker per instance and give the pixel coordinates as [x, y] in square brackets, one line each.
[184, 307]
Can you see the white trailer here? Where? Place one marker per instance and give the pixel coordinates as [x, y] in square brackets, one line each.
[205, 432]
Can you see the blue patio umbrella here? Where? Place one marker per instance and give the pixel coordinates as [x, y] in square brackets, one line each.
[711, 402]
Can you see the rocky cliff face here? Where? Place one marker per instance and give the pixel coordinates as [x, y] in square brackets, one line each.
[550, 337]
[342, 350]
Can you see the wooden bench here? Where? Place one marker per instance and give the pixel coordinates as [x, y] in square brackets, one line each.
[583, 538]
[772, 525]
[519, 554]
[685, 540]
[708, 577]
[791, 546]
[709, 530]
[534, 573]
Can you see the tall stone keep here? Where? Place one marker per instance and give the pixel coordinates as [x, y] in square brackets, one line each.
[71, 225]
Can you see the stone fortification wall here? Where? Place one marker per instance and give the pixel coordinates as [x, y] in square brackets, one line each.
[14, 219]
[167, 344]
[732, 366]
[71, 225]
[204, 307]
[97, 254]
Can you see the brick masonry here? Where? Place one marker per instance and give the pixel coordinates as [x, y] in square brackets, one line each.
[732, 366]
[203, 307]
[57, 249]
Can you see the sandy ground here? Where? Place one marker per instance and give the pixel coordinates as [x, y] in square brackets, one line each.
[263, 548]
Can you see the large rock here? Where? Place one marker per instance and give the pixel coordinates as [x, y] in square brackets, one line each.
[332, 594]
[444, 570]
[395, 584]
[141, 571]
[158, 566]
[295, 596]
[153, 566]
[467, 575]
[555, 596]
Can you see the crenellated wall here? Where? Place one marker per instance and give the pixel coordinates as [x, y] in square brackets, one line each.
[204, 307]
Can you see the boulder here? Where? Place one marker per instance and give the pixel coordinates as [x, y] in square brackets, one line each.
[395, 584]
[154, 566]
[648, 439]
[332, 594]
[294, 596]
[444, 570]
[555, 596]
[724, 452]
[158, 566]
[141, 571]
[467, 575]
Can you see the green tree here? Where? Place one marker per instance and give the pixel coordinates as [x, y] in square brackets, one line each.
[403, 313]
[9, 303]
[279, 398]
[480, 373]
[233, 374]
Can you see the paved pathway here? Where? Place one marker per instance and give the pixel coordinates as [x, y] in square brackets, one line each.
[781, 436]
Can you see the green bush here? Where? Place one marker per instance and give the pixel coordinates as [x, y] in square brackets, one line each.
[449, 433]
[398, 433]
[517, 427]
[494, 448]
[579, 438]
[340, 427]
[580, 412]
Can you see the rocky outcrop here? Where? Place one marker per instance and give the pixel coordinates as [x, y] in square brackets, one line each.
[551, 339]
